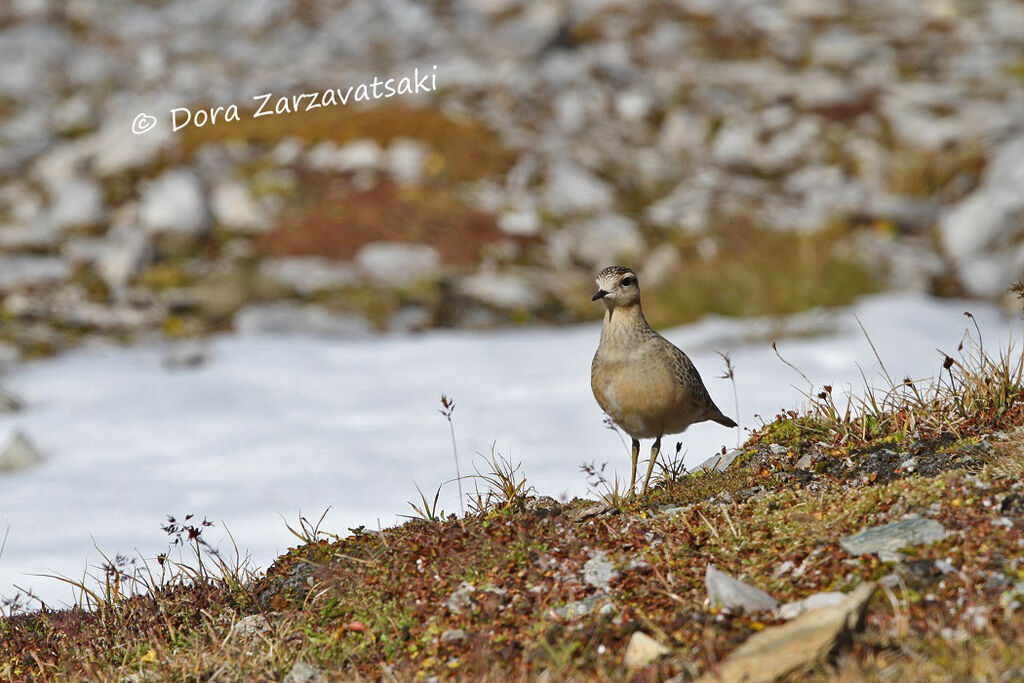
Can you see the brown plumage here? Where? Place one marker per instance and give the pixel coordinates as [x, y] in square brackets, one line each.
[646, 385]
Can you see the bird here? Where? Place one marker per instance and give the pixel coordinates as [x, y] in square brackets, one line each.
[647, 386]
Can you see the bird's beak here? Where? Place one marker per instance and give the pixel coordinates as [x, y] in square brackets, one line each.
[600, 295]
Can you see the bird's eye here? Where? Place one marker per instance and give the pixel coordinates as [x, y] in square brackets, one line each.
[627, 281]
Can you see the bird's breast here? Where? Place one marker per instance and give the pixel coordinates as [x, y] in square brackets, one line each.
[638, 392]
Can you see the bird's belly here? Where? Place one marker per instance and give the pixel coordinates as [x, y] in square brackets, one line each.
[644, 401]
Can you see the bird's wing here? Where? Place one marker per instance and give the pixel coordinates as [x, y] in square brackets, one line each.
[686, 374]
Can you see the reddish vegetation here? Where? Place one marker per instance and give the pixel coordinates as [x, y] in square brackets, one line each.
[338, 222]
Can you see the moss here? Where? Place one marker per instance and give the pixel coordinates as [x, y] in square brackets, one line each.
[758, 272]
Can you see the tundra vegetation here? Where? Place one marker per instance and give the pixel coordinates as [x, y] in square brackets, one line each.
[523, 587]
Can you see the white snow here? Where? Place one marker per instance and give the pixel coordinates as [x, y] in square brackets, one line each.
[274, 425]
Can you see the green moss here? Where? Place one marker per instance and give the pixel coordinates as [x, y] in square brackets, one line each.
[758, 272]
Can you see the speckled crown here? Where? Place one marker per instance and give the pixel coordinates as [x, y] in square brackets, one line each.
[614, 271]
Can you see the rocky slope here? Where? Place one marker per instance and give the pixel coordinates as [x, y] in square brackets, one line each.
[743, 146]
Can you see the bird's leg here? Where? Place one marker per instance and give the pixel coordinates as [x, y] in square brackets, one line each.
[655, 449]
[632, 477]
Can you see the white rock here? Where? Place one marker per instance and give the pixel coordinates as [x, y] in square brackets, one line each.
[684, 131]
[410, 319]
[822, 92]
[189, 354]
[107, 318]
[9, 355]
[398, 263]
[886, 540]
[309, 274]
[78, 201]
[779, 651]
[287, 152]
[123, 255]
[605, 239]
[59, 165]
[725, 591]
[453, 636]
[788, 147]
[233, 206]
[525, 223]
[985, 227]
[599, 572]
[642, 650]
[19, 453]
[500, 290]
[73, 115]
[720, 463]
[21, 202]
[660, 265]
[36, 235]
[174, 202]
[570, 188]
[17, 272]
[405, 160]
[289, 319]
[323, 157]
[251, 626]
[633, 105]
[259, 15]
[461, 598]
[530, 30]
[9, 403]
[301, 672]
[360, 155]
[734, 144]
[688, 208]
[791, 610]
[839, 47]
[918, 127]
[115, 150]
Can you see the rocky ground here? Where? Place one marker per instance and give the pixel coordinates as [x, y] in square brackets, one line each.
[912, 572]
[879, 544]
[768, 156]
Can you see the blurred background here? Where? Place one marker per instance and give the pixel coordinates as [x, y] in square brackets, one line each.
[751, 159]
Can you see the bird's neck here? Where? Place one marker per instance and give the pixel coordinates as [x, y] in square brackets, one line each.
[623, 324]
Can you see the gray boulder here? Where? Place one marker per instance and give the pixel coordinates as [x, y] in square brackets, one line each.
[398, 264]
[19, 453]
[642, 650]
[174, 203]
[309, 274]
[234, 207]
[725, 591]
[572, 189]
[500, 290]
[599, 572]
[982, 233]
[19, 272]
[886, 540]
[605, 239]
[290, 319]
[77, 201]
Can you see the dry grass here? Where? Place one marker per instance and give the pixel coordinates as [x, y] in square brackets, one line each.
[947, 175]
[974, 392]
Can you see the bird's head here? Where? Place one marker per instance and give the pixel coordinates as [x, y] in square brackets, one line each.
[617, 286]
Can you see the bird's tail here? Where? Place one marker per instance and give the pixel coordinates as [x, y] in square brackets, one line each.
[723, 420]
